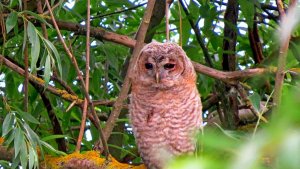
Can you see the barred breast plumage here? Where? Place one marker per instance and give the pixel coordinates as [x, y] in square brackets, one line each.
[165, 108]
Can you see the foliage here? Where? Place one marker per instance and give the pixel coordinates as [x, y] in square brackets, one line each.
[272, 145]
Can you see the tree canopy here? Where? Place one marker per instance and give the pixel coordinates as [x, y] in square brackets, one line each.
[64, 80]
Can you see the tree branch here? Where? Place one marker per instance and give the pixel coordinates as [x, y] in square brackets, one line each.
[198, 34]
[285, 36]
[87, 79]
[25, 53]
[119, 11]
[126, 85]
[83, 86]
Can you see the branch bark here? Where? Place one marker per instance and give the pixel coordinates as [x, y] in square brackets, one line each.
[198, 34]
[83, 85]
[229, 101]
[87, 79]
[126, 85]
[285, 36]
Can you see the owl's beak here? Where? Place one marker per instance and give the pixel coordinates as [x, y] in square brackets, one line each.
[157, 77]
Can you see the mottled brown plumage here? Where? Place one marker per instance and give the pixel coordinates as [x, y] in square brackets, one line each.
[165, 106]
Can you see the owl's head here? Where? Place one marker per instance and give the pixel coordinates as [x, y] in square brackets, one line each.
[163, 65]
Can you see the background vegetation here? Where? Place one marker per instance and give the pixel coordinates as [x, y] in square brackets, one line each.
[64, 89]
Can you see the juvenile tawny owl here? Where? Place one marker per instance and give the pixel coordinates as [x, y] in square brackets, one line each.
[165, 106]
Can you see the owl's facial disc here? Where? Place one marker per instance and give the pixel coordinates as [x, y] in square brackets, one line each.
[162, 69]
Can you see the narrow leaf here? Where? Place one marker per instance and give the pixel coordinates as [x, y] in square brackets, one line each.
[11, 21]
[48, 146]
[19, 137]
[47, 72]
[31, 135]
[56, 55]
[7, 124]
[35, 45]
[28, 117]
[33, 158]
[38, 17]
[24, 154]
[52, 137]
[255, 99]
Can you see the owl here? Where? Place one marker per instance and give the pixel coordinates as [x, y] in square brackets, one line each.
[165, 105]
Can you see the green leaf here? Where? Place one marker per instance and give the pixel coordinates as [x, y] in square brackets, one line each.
[186, 31]
[31, 135]
[11, 21]
[122, 149]
[52, 149]
[15, 162]
[248, 10]
[35, 45]
[7, 125]
[24, 154]
[47, 72]
[4, 164]
[52, 137]
[9, 138]
[27, 116]
[38, 17]
[33, 158]
[19, 138]
[50, 46]
[255, 99]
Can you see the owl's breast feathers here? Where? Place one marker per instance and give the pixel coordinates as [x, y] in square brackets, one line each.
[165, 120]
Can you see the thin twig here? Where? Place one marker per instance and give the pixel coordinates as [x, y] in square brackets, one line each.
[120, 11]
[126, 84]
[246, 100]
[80, 79]
[168, 3]
[53, 7]
[25, 51]
[62, 83]
[62, 144]
[43, 25]
[198, 34]
[180, 24]
[87, 76]
[58, 92]
[280, 8]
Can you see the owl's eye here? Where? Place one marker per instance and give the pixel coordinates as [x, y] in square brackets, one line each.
[148, 66]
[169, 66]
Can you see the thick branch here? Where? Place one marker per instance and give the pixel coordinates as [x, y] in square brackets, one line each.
[96, 32]
[129, 42]
[285, 36]
[255, 44]
[231, 76]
